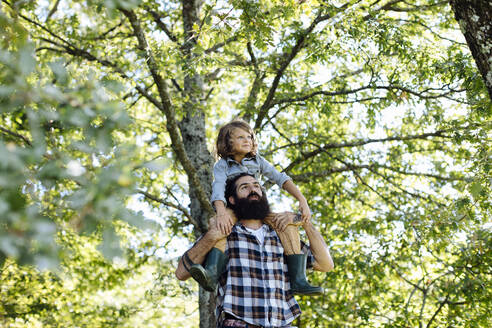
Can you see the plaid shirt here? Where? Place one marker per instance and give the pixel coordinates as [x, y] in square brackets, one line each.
[255, 287]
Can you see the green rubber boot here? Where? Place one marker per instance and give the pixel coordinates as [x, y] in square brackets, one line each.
[208, 274]
[297, 273]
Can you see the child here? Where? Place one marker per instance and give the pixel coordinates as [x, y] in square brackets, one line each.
[237, 147]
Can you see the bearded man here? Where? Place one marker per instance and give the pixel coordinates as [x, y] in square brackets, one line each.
[254, 288]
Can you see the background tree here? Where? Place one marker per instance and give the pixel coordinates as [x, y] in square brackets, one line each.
[474, 18]
[374, 108]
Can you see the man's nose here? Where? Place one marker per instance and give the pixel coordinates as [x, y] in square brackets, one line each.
[255, 189]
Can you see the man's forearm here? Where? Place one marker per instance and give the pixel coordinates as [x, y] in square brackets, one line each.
[321, 253]
[196, 254]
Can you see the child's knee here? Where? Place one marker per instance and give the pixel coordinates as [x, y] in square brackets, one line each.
[212, 223]
[231, 213]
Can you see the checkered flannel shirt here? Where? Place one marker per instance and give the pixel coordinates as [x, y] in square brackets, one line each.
[255, 287]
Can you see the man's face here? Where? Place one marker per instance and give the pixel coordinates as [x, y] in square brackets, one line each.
[248, 187]
[249, 203]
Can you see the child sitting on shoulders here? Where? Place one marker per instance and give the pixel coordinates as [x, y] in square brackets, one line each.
[237, 149]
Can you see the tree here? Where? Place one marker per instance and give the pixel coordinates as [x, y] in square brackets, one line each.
[109, 100]
[92, 291]
[475, 19]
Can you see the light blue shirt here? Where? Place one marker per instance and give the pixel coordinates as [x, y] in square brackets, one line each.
[256, 166]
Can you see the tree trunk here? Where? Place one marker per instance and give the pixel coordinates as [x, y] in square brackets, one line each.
[192, 128]
[475, 20]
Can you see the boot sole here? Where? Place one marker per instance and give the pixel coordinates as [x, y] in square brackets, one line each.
[200, 275]
[309, 293]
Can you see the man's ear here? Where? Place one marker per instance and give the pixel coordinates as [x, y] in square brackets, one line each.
[231, 200]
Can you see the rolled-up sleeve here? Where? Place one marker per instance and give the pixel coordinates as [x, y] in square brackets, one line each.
[271, 172]
[220, 177]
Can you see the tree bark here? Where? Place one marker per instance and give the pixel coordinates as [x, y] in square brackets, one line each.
[475, 20]
[192, 128]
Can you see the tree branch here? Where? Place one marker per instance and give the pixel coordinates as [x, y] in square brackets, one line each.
[220, 45]
[321, 149]
[424, 299]
[301, 38]
[408, 301]
[71, 49]
[104, 35]
[407, 21]
[17, 135]
[255, 87]
[412, 7]
[361, 180]
[306, 177]
[169, 204]
[391, 6]
[424, 94]
[408, 281]
[398, 187]
[441, 305]
[157, 19]
[168, 110]
[428, 175]
[53, 10]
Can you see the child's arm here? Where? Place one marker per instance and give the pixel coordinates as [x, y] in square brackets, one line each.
[224, 219]
[284, 181]
[292, 189]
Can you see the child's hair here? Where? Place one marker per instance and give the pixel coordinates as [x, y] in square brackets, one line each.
[223, 144]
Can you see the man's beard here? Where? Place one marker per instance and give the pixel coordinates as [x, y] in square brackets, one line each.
[251, 209]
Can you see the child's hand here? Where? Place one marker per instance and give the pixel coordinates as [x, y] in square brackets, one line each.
[224, 222]
[280, 221]
[305, 211]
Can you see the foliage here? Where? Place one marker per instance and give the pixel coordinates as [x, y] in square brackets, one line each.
[90, 291]
[374, 108]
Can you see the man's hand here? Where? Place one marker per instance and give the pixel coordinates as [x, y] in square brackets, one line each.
[305, 211]
[224, 221]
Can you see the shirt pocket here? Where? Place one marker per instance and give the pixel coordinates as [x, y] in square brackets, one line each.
[251, 167]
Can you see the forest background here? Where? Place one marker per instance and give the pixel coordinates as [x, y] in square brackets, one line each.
[378, 109]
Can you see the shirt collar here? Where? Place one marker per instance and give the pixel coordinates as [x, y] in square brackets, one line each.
[242, 228]
[232, 161]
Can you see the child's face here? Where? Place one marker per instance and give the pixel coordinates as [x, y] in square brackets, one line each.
[241, 142]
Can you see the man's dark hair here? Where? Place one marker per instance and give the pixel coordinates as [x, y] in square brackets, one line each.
[230, 189]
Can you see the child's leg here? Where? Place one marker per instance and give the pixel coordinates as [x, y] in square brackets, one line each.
[289, 237]
[296, 260]
[208, 274]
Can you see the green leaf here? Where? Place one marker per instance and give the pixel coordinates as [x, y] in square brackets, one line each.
[475, 189]
[158, 165]
[27, 63]
[110, 245]
[59, 70]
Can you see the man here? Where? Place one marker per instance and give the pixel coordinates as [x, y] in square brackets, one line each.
[254, 290]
